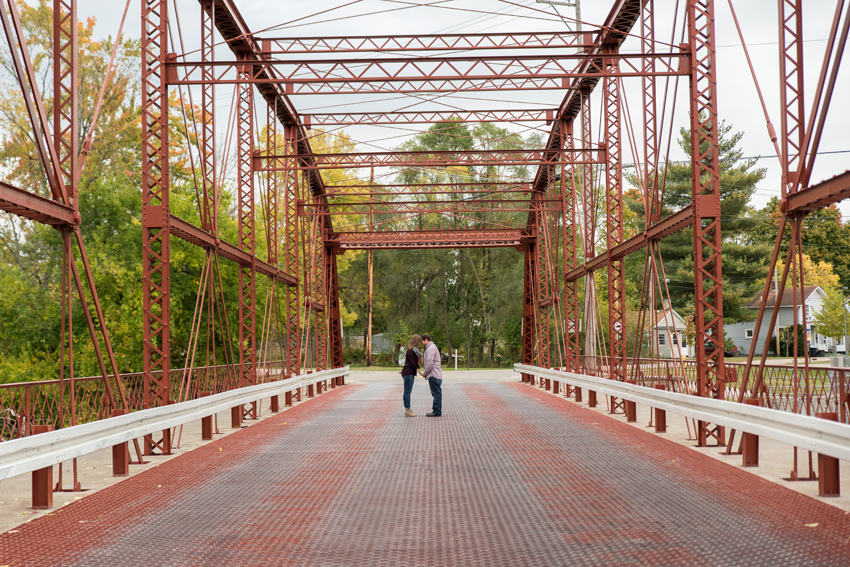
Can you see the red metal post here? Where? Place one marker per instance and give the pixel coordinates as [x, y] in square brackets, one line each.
[206, 423]
[209, 195]
[291, 244]
[156, 333]
[829, 481]
[750, 442]
[660, 414]
[334, 321]
[708, 313]
[614, 228]
[120, 452]
[528, 313]
[570, 250]
[245, 203]
[792, 119]
[42, 479]
[543, 298]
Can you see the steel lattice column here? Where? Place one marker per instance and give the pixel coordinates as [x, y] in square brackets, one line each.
[245, 203]
[290, 211]
[588, 209]
[319, 293]
[614, 226]
[528, 310]
[65, 80]
[333, 311]
[705, 180]
[273, 242]
[209, 197]
[155, 208]
[650, 147]
[792, 117]
[570, 251]
[543, 299]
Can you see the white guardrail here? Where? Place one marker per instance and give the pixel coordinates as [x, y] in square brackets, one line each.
[27, 454]
[811, 433]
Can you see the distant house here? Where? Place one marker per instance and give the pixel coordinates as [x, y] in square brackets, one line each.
[668, 333]
[742, 334]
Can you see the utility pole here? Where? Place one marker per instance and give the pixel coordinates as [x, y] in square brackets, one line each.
[369, 278]
[572, 4]
[844, 338]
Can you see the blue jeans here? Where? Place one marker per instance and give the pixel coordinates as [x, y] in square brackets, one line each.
[437, 393]
[408, 387]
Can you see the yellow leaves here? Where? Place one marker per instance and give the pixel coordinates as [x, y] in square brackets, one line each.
[811, 525]
[814, 273]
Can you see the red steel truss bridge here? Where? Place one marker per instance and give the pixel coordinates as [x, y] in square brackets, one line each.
[509, 454]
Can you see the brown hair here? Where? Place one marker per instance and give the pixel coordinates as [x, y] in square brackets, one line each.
[427, 337]
[415, 342]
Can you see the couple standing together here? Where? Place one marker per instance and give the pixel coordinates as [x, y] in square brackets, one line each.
[432, 371]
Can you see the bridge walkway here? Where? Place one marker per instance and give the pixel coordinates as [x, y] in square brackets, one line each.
[510, 475]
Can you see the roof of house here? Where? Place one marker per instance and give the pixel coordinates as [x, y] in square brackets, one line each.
[787, 297]
[673, 319]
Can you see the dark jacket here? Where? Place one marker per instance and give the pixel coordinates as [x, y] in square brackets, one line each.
[411, 362]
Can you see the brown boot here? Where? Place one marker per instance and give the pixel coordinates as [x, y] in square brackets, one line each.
[409, 413]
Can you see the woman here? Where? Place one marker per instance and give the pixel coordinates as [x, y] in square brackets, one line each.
[412, 360]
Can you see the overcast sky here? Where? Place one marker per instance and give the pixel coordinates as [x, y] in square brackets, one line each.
[738, 101]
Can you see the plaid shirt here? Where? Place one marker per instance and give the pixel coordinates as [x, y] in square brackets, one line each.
[431, 362]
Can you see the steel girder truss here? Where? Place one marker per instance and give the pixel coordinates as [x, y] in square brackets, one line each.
[393, 44]
[461, 158]
[558, 239]
[434, 74]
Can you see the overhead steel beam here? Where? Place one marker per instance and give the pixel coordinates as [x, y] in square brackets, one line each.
[416, 239]
[440, 42]
[424, 75]
[240, 39]
[192, 234]
[466, 158]
[426, 117]
[619, 23]
[35, 208]
[819, 196]
[673, 223]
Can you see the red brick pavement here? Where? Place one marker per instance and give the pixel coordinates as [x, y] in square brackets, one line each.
[508, 476]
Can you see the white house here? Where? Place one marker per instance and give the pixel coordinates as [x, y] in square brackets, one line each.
[742, 333]
[668, 333]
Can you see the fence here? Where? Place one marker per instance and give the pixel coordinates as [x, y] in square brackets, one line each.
[51, 402]
[827, 389]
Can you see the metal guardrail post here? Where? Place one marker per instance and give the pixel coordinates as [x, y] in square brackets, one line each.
[275, 402]
[236, 417]
[120, 452]
[829, 482]
[660, 414]
[42, 479]
[630, 407]
[750, 442]
[206, 423]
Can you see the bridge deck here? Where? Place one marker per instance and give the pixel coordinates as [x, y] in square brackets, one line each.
[509, 475]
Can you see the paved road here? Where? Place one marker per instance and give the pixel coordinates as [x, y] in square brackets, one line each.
[509, 475]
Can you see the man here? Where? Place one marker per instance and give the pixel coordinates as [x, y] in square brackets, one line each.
[433, 372]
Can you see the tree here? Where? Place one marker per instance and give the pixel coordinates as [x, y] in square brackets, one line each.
[744, 256]
[825, 237]
[830, 320]
[814, 273]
